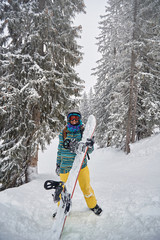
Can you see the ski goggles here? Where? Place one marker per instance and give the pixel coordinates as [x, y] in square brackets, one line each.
[74, 117]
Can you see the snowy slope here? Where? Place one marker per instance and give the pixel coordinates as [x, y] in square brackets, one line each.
[126, 187]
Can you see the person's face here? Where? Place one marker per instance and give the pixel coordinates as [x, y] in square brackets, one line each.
[74, 119]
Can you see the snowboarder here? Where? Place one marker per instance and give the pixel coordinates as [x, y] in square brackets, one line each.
[68, 140]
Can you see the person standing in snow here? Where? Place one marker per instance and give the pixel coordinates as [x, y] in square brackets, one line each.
[68, 139]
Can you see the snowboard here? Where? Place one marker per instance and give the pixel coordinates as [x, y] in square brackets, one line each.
[69, 187]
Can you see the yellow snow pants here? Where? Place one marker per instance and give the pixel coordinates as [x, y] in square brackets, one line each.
[84, 183]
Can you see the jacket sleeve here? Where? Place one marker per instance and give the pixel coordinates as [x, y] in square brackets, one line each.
[60, 145]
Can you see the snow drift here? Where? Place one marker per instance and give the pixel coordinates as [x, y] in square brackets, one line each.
[126, 187]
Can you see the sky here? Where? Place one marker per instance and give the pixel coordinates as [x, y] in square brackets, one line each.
[90, 30]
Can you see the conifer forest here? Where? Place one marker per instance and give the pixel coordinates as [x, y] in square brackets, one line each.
[39, 84]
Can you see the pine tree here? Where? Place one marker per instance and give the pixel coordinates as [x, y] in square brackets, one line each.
[90, 101]
[131, 118]
[84, 107]
[148, 102]
[112, 75]
[38, 80]
[128, 72]
[146, 95]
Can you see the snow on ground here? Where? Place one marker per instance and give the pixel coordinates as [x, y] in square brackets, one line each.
[126, 187]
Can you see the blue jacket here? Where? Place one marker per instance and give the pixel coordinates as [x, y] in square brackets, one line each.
[65, 158]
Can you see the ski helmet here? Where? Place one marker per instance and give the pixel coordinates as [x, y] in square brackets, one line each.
[73, 112]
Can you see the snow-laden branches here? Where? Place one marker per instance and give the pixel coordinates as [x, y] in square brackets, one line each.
[127, 90]
[37, 78]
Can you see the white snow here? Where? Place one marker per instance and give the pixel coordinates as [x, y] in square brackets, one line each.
[126, 187]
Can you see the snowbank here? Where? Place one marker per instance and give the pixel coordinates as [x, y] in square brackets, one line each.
[126, 187]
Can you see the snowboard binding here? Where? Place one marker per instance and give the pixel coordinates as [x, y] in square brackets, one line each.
[58, 186]
[60, 192]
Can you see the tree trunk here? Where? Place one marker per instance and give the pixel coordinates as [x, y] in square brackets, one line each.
[41, 4]
[34, 159]
[134, 123]
[131, 122]
[36, 118]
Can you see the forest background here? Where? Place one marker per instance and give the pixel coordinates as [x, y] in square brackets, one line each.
[39, 53]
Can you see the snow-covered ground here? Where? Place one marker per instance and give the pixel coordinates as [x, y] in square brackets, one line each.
[126, 187]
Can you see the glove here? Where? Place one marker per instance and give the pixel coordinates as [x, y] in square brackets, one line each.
[73, 145]
[57, 170]
[90, 142]
[66, 143]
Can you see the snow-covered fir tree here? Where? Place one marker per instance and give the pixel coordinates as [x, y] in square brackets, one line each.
[127, 74]
[109, 100]
[90, 101]
[37, 57]
[148, 100]
[84, 107]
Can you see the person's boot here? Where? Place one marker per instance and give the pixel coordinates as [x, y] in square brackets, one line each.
[97, 210]
[54, 214]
